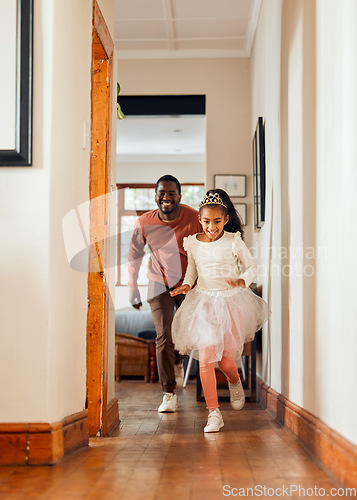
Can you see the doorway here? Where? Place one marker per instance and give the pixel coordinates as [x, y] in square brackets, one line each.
[103, 415]
[160, 135]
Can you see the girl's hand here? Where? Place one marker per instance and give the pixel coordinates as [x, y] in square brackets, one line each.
[236, 283]
[180, 289]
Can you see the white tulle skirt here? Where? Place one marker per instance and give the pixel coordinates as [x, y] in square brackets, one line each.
[214, 324]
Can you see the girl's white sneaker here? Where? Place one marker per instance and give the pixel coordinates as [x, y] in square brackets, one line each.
[237, 395]
[214, 422]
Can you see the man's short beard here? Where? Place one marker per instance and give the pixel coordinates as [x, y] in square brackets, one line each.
[167, 212]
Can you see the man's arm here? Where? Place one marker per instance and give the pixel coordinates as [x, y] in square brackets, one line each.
[135, 257]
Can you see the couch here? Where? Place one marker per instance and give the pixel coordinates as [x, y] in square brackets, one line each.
[135, 355]
[133, 320]
[135, 352]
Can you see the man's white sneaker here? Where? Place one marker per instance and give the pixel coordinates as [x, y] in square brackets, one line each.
[169, 403]
[214, 422]
[237, 395]
[179, 374]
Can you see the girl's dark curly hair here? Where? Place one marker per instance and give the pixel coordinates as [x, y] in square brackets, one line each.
[234, 224]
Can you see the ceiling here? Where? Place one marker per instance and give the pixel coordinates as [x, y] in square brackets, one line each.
[185, 28]
[161, 139]
[171, 29]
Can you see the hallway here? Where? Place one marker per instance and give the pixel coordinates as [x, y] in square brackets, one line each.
[155, 456]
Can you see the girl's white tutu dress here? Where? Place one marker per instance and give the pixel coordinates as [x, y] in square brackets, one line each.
[216, 319]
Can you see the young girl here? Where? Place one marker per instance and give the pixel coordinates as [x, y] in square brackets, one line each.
[221, 313]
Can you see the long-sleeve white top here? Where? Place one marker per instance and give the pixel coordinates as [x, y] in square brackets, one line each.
[212, 262]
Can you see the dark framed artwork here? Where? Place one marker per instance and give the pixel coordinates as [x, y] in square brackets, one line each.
[259, 174]
[17, 33]
[242, 211]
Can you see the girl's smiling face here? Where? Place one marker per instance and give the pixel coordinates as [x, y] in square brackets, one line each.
[213, 220]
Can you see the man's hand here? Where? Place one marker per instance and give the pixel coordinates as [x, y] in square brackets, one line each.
[235, 283]
[180, 289]
[134, 298]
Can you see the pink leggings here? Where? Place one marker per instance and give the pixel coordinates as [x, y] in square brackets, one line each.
[208, 377]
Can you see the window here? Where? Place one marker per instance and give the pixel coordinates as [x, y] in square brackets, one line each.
[133, 201]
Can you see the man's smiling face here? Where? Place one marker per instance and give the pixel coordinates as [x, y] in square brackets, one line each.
[168, 199]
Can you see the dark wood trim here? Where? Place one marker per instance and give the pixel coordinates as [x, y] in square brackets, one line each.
[103, 34]
[135, 185]
[145, 186]
[332, 450]
[42, 443]
[112, 415]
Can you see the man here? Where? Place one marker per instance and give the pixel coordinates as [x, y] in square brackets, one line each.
[163, 231]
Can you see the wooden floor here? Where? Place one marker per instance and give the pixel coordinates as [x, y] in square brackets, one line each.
[167, 456]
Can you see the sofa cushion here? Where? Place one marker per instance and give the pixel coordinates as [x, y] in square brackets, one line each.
[131, 322]
[147, 334]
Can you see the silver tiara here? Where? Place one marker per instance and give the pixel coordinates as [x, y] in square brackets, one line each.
[212, 199]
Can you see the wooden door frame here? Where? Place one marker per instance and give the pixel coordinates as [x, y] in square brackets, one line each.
[102, 416]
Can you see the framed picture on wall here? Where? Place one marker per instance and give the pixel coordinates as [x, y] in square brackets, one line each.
[16, 25]
[242, 211]
[259, 174]
[234, 185]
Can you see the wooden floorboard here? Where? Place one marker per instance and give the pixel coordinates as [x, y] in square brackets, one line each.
[167, 456]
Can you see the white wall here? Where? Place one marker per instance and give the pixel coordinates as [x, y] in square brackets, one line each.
[24, 303]
[69, 179]
[300, 87]
[43, 302]
[8, 77]
[265, 78]
[149, 172]
[336, 212]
